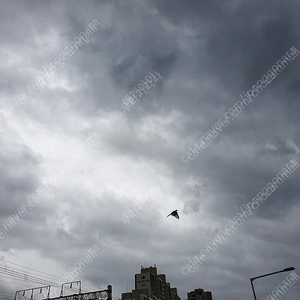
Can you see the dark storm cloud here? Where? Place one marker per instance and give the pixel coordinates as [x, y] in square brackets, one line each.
[243, 37]
[17, 162]
[128, 55]
[207, 53]
[125, 72]
[278, 148]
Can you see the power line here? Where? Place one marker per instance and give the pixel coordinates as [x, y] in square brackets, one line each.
[28, 278]
[12, 278]
[6, 293]
[39, 272]
[14, 283]
[14, 275]
[5, 298]
[29, 269]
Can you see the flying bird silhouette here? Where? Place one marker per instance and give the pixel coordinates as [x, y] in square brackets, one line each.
[174, 214]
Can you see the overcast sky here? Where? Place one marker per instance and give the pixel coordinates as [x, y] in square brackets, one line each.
[207, 53]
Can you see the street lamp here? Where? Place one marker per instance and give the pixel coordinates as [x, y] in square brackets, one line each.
[253, 278]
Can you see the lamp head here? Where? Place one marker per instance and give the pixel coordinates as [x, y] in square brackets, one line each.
[289, 269]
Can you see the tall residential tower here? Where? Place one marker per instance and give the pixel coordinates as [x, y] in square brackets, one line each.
[150, 285]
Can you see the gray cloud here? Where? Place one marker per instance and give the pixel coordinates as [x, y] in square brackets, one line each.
[207, 53]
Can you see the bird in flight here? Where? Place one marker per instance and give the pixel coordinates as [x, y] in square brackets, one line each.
[174, 214]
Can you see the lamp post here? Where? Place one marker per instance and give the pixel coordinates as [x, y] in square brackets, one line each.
[253, 278]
